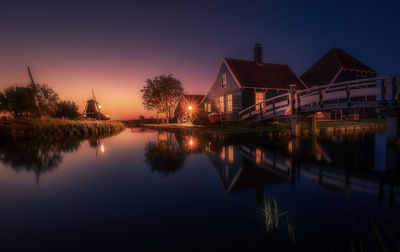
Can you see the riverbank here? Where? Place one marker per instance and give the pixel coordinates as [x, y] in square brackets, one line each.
[57, 129]
[283, 128]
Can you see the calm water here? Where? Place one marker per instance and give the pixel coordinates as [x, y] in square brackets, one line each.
[148, 190]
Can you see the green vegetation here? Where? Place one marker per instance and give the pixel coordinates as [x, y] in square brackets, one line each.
[246, 128]
[162, 94]
[273, 215]
[363, 122]
[35, 101]
[31, 101]
[290, 229]
[66, 109]
[384, 238]
[392, 243]
[34, 109]
[59, 128]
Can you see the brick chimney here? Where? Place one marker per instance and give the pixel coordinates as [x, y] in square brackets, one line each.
[257, 53]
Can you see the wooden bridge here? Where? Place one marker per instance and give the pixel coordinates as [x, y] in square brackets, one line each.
[380, 92]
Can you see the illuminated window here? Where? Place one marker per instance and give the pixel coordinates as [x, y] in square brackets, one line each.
[209, 107]
[224, 80]
[205, 107]
[230, 153]
[229, 102]
[223, 153]
[259, 156]
[221, 104]
[260, 96]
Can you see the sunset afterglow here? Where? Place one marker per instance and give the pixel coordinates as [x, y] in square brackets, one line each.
[114, 48]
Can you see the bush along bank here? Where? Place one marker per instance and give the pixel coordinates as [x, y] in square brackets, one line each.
[59, 129]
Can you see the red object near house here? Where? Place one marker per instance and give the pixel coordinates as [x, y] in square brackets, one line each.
[214, 118]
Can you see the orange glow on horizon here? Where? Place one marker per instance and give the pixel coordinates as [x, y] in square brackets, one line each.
[116, 81]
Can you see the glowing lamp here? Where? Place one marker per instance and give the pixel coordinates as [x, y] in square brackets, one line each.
[99, 106]
[102, 148]
[190, 108]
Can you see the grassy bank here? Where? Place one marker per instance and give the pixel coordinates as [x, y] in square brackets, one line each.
[242, 128]
[58, 128]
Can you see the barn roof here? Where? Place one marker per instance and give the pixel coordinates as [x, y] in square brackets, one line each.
[326, 68]
[265, 75]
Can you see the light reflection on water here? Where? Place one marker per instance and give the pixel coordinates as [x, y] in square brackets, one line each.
[146, 185]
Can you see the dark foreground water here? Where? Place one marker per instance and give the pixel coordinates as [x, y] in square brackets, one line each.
[146, 190]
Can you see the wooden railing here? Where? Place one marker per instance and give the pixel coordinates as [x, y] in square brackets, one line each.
[364, 93]
[267, 108]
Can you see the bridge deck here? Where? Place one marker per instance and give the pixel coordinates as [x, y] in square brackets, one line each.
[365, 93]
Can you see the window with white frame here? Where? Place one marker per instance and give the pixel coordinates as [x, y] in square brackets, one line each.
[221, 104]
[229, 102]
[224, 80]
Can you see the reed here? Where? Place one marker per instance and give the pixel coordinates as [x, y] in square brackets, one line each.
[290, 229]
[272, 218]
[52, 128]
[272, 214]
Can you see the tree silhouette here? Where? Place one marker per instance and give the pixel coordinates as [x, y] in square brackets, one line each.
[162, 94]
[163, 157]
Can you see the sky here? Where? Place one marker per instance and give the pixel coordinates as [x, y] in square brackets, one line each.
[112, 47]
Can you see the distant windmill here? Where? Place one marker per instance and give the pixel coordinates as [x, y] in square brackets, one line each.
[92, 109]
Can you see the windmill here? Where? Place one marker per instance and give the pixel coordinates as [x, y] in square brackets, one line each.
[93, 109]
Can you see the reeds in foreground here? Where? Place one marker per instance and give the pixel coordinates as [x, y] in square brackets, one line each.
[272, 218]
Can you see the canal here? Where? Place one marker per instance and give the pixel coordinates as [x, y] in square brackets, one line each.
[150, 190]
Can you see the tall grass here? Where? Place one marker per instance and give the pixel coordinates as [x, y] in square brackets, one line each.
[64, 128]
[272, 218]
[272, 214]
[388, 240]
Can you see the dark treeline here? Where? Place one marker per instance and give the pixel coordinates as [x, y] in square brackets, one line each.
[34, 101]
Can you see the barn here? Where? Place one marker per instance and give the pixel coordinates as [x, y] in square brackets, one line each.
[334, 67]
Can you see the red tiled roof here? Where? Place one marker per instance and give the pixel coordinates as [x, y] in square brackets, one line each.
[265, 75]
[326, 68]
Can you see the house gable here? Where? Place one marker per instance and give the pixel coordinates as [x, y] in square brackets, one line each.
[217, 90]
[336, 66]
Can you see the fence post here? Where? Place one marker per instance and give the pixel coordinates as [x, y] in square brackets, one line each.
[321, 102]
[383, 92]
[292, 98]
[348, 100]
[273, 108]
[394, 91]
[295, 124]
[298, 103]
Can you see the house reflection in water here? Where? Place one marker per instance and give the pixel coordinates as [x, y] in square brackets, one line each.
[360, 163]
[332, 163]
[245, 169]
